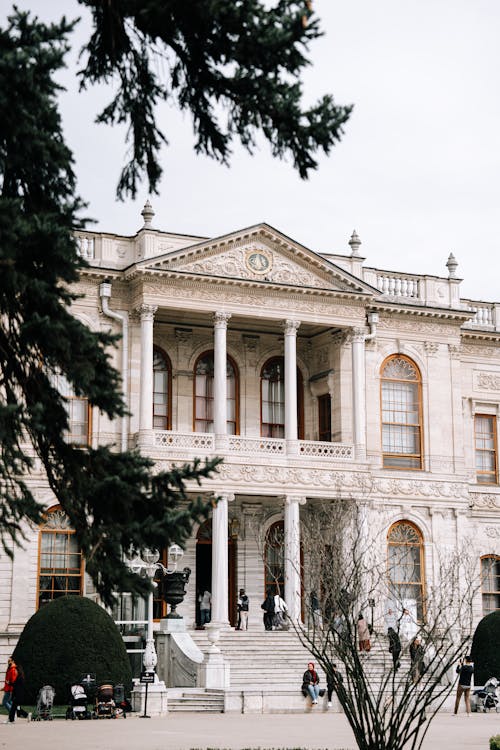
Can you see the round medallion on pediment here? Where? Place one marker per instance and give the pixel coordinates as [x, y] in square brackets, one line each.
[258, 261]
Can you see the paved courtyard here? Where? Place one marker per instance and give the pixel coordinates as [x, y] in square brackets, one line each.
[183, 732]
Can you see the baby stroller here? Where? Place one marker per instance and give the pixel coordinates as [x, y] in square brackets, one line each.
[78, 701]
[486, 698]
[44, 704]
[105, 706]
[122, 703]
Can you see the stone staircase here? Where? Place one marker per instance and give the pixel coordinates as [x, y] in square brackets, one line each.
[191, 699]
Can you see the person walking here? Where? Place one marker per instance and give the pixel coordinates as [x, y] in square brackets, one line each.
[363, 634]
[310, 683]
[268, 607]
[17, 698]
[280, 610]
[465, 671]
[10, 678]
[243, 607]
[394, 647]
[205, 607]
[417, 659]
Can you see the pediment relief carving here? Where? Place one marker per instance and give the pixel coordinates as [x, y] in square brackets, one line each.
[259, 261]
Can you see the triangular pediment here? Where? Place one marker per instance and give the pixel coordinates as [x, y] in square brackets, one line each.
[260, 254]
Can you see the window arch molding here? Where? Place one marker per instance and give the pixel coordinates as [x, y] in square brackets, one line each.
[162, 389]
[269, 424]
[401, 413]
[60, 561]
[201, 399]
[406, 567]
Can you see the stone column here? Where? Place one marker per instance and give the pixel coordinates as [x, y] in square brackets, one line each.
[291, 431]
[219, 560]
[147, 313]
[220, 378]
[292, 556]
[358, 392]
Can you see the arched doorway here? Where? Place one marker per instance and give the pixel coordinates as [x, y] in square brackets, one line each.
[204, 570]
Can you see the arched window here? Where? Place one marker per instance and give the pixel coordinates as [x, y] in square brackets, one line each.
[60, 564]
[79, 413]
[401, 396]
[490, 583]
[162, 397]
[274, 573]
[204, 394]
[272, 399]
[405, 564]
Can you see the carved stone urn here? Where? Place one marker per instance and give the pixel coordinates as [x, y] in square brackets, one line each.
[174, 590]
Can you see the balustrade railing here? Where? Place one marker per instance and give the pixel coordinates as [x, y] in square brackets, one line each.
[317, 449]
[399, 286]
[86, 246]
[250, 446]
[271, 446]
[484, 315]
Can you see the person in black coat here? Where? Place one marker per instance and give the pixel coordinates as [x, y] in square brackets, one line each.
[18, 696]
[394, 646]
[268, 607]
[310, 683]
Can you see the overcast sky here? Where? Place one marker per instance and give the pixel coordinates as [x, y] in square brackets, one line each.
[416, 174]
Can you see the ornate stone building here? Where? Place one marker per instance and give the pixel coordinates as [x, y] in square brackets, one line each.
[313, 376]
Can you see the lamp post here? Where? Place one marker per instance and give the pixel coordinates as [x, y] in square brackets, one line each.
[147, 566]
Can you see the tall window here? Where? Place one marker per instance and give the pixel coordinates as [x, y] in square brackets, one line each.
[204, 395]
[274, 574]
[78, 410]
[325, 418]
[405, 564]
[162, 379]
[401, 390]
[60, 565]
[486, 448]
[272, 399]
[490, 583]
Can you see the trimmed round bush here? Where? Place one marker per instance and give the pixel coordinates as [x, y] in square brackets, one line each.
[67, 638]
[486, 649]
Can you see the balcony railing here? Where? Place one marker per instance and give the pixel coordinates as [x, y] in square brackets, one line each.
[484, 315]
[203, 442]
[397, 285]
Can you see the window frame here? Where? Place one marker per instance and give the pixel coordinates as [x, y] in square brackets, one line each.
[300, 399]
[325, 415]
[55, 530]
[68, 399]
[418, 382]
[496, 559]
[421, 547]
[492, 418]
[157, 350]
[233, 364]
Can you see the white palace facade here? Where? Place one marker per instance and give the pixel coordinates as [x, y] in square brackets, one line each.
[314, 376]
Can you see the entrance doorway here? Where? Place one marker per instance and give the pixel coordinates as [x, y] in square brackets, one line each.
[204, 570]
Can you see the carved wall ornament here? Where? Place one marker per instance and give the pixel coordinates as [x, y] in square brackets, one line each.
[259, 261]
[481, 500]
[484, 352]
[488, 381]
[455, 351]
[431, 348]
[493, 532]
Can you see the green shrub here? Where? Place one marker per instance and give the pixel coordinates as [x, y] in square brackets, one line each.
[495, 742]
[67, 638]
[486, 648]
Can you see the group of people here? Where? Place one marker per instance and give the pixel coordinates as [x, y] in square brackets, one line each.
[275, 611]
[13, 692]
[205, 606]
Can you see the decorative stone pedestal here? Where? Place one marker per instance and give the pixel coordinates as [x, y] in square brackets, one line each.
[215, 671]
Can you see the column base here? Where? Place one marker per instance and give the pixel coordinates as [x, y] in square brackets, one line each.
[157, 699]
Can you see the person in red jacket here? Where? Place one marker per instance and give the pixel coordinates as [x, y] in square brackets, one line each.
[10, 678]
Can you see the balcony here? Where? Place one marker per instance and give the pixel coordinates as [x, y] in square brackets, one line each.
[202, 444]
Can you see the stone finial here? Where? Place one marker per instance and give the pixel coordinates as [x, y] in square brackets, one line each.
[452, 266]
[148, 214]
[355, 244]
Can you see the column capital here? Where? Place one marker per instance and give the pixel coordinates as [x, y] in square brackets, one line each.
[146, 312]
[220, 319]
[357, 335]
[297, 499]
[227, 496]
[290, 327]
